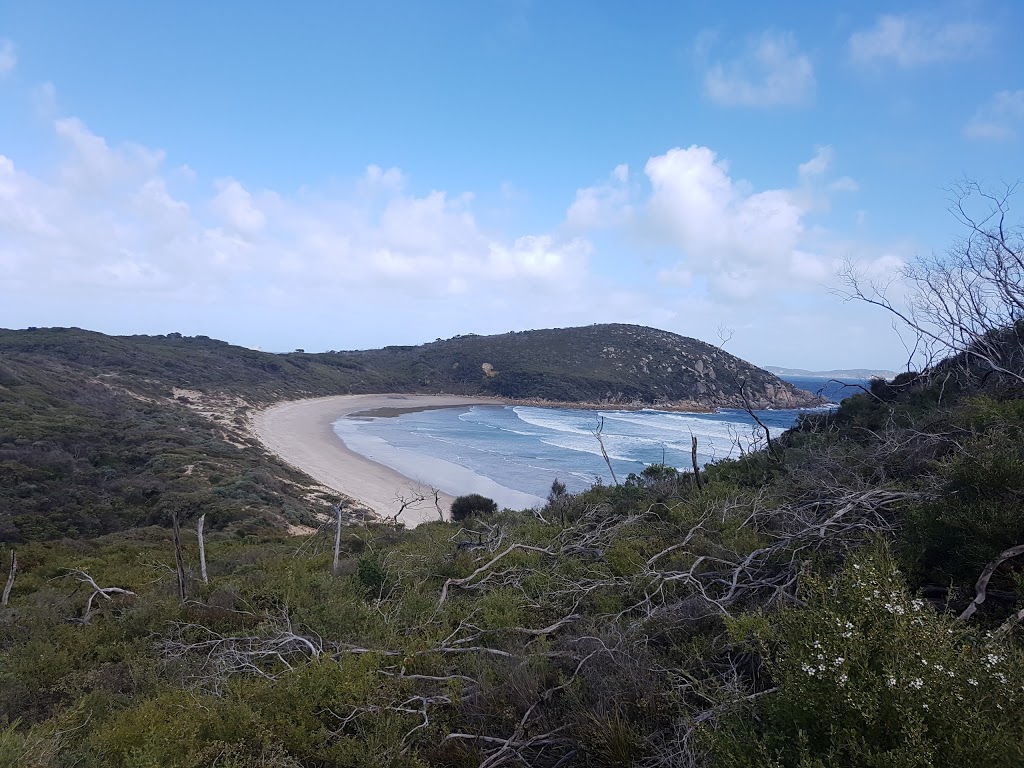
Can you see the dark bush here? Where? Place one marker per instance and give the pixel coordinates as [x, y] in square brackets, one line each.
[472, 504]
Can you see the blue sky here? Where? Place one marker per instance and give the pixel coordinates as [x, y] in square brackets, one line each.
[338, 176]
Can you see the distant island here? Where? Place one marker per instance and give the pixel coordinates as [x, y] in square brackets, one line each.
[840, 373]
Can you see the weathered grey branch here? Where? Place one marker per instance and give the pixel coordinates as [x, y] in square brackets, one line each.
[337, 538]
[600, 442]
[467, 579]
[202, 547]
[97, 591]
[986, 576]
[179, 561]
[10, 578]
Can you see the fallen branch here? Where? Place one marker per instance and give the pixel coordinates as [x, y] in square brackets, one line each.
[98, 591]
[453, 582]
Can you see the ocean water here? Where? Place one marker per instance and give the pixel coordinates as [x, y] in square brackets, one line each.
[513, 453]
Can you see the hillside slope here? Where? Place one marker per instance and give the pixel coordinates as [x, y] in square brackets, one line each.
[620, 364]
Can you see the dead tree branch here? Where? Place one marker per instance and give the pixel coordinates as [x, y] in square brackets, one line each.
[10, 578]
[986, 576]
[97, 591]
[600, 441]
[337, 538]
[179, 561]
[202, 547]
[693, 458]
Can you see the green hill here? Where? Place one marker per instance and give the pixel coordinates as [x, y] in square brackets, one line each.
[621, 364]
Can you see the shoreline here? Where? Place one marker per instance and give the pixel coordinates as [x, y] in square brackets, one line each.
[301, 433]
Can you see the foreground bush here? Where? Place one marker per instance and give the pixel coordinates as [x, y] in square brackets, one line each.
[867, 675]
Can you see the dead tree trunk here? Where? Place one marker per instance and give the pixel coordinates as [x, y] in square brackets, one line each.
[337, 539]
[202, 547]
[693, 458]
[179, 561]
[767, 433]
[10, 578]
[600, 442]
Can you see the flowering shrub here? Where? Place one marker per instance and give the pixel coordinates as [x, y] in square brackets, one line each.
[868, 675]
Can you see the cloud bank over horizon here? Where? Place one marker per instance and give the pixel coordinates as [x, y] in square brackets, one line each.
[113, 223]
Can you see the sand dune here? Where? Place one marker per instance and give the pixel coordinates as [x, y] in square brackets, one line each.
[300, 432]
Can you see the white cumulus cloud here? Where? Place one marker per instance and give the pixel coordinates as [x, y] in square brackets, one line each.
[770, 72]
[107, 219]
[738, 238]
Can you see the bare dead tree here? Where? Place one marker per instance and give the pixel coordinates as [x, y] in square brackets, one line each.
[725, 334]
[750, 412]
[413, 498]
[179, 561]
[597, 433]
[10, 578]
[202, 547]
[436, 493]
[693, 458]
[337, 538]
[967, 303]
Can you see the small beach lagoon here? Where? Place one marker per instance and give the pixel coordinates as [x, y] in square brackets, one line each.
[513, 453]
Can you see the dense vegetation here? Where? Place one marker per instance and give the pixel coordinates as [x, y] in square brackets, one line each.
[84, 456]
[599, 363]
[800, 608]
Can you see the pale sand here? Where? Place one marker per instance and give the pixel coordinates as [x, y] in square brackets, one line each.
[301, 433]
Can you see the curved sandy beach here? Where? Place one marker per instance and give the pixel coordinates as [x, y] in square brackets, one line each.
[301, 433]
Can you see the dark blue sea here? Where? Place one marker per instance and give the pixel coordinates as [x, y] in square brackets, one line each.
[513, 453]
